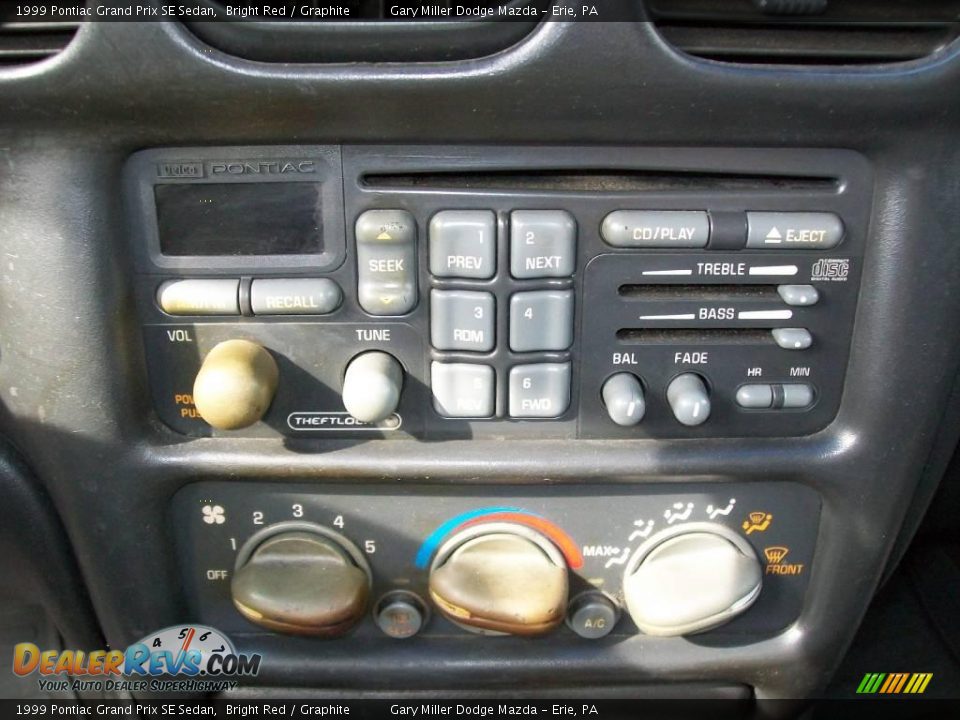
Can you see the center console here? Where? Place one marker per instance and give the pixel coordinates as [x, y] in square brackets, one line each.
[369, 294]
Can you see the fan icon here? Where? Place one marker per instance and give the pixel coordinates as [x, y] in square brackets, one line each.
[214, 515]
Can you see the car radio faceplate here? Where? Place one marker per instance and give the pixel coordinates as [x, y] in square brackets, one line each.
[518, 292]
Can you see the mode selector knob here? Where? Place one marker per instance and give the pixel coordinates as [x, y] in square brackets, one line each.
[235, 385]
[371, 386]
[689, 399]
[500, 578]
[689, 579]
[301, 579]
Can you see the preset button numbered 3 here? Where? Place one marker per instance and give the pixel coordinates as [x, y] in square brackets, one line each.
[462, 320]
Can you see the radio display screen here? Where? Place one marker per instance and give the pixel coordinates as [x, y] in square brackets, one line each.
[210, 220]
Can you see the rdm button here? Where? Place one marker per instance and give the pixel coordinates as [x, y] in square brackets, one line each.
[387, 262]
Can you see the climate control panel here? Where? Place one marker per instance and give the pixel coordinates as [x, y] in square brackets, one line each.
[447, 294]
[609, 560]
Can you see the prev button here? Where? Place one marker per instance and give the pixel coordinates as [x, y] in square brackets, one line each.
[463, 243]
[294, 296]
[656, 228]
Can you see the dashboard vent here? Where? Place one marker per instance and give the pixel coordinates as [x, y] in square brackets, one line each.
[807, 32]
[371, 31]
[23, 42]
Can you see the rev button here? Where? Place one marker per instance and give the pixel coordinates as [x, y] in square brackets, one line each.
[294, 296]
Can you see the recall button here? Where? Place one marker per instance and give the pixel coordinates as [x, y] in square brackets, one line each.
[294, 296]
[656, 228]
[794, 230]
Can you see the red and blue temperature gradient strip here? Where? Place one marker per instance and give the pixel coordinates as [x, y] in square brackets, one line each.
[566, 545]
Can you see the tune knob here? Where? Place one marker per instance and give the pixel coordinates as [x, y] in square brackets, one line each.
[689, 579]
[500, 578]
[235, 385]
[371, 386]
[301, 579]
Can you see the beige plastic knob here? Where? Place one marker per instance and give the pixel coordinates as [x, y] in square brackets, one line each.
[302, 582]
[690, 579]
[235, 385]
[511, 581]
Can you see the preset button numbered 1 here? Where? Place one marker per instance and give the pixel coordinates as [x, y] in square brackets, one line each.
[463, 244]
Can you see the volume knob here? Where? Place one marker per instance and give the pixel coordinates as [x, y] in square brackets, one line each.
[235, 385]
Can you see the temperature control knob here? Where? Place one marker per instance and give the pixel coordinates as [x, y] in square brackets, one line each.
[371, 386]
[690, 579]
[301, 579]
[500, 578]
[689, 399]
[235, 385]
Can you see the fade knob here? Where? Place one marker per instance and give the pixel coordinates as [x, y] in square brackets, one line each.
[301, 579]
[501, 579]
[235, 385]
[689, 399]
[371, 386]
